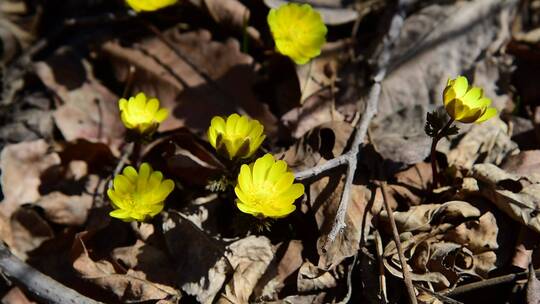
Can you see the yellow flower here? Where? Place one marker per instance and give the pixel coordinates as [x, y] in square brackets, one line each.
[465, 103]
[266, 188]
[298, 30]
[138, 196]
[140, 114]
[236, 137]
[149, 5]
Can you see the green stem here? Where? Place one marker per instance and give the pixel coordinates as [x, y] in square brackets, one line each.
[434, 143]
[306, 81]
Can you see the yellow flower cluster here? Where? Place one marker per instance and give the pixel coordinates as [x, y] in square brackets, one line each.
[298, 31]
[266, 188]
[141, 114]
[149, 5]
[139, 196]
[465, 103]
[236, 136]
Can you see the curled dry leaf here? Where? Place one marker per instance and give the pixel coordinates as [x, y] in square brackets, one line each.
[88, 109]
[486, 143]
[22, 165]
[411, 185]
[424, 217]
[525, 163]
[29, 230]
[312, 278]
[273, 280]
[128, 287]
[250, 258]
[199, 263]
[517, 196]
[478, 235]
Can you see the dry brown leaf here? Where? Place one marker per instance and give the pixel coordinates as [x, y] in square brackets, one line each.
[486, 143]
[71, 210]
[533, 287]
[517, 196]
[16, 296]
[272, 281]
[312, 278]
[399, 137]
[201, 269]
[249, 257]
[477, 235]
[210, 78]
[525, 163]
[29, 231]
[425, 217]
[411, 184]
[88, 109]
[22, 165]
[128, 287]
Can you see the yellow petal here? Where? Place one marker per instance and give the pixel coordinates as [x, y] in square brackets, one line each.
[230, 125]
[122, 104]
[212, 136]
[246, 208]
[161, 115]
[116, 199]
[472, 97]
[242, 126]
[461, 85]
[490, 112]
[155, 180]
[152, 106]
[260, 169]
[294, 192]
[284, 182]
[140, 102]
[277, 170]
[121, 214]
[244, 178]
[144, 173]
[164, 189]
[218, 124]
[241, 195]
[130, 173]
[122, 184]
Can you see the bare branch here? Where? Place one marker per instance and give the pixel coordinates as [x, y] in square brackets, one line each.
[395, 233]
[38, 284]
[351, 156]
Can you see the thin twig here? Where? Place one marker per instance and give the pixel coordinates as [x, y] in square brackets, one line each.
[38, 284]
[350, 157]
[488, 283]
[402, 260]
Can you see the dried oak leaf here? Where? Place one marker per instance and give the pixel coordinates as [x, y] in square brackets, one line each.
[516, 195]
[128, 287]
[273, 280]
[425, 217]
[478, 235]
[412, 184]
[312, 278]
[198, 260]
[22, 165]
[486, 143]
[87, 108]
[206, 78]
[250, 258]
[525, 163]
[16, 296]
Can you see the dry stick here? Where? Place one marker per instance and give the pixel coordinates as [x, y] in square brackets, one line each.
[350, 158]
[488, 283]
[395, 234]
[38, 284]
